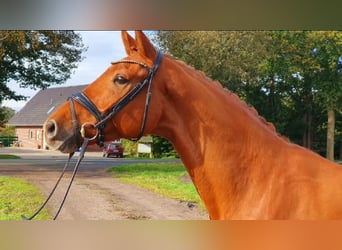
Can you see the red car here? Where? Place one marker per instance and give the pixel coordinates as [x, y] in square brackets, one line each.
[113, 149]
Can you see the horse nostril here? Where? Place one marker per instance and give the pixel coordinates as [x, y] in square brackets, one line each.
[51, 129]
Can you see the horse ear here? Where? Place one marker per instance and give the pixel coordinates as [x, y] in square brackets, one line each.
[129, 42]
[144, 45]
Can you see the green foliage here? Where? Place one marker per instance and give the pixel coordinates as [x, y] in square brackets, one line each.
[7, 136]
[130, 147]
[163, 148]
[18, 197]
[8, 131]
[37, 59]
[6, 113]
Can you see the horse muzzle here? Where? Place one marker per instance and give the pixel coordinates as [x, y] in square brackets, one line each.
[58, 138]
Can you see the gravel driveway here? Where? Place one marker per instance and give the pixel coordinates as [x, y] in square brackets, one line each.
[96, 195]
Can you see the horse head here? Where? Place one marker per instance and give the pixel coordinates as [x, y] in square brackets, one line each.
[127, 85]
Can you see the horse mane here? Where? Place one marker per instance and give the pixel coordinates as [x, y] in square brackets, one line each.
[230, 94]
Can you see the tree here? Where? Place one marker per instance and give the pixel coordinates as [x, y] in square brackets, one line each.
[5, 114]
[37, 59]
[291, 67]
[328, 53]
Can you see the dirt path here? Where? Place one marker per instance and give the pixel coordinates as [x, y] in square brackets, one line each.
[98, 196]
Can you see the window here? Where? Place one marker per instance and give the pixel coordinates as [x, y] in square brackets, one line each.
[30, 134]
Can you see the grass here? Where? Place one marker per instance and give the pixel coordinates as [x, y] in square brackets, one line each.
[5, 157]
[162, 178]
[18, 197]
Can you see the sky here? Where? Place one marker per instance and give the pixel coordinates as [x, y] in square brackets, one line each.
[103, 48]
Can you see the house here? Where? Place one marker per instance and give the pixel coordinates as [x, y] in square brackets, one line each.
[29, 120]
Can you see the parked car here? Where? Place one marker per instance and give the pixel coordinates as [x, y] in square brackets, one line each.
[113, 149]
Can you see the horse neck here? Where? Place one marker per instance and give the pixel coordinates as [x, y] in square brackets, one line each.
[200, 116]
[217, 136]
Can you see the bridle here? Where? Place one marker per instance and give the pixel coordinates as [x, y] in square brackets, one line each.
[103, 118]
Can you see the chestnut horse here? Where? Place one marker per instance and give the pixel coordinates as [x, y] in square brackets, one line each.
[241, 167]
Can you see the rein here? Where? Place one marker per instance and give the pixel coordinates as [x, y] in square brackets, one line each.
[79, 133]
[81, 155]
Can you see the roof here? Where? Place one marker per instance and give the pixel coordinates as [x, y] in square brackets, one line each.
[40, 106]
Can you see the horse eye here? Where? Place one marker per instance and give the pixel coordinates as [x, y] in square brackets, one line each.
[120, 79]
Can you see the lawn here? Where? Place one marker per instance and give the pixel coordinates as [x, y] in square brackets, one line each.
[18, 197]
[5, 157]
[166, 179]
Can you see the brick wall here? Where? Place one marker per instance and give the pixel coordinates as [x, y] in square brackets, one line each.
[30, 137]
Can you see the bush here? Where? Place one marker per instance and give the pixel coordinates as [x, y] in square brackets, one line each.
[163, 148]
[7, 131]
[7, 136]
[130, 147]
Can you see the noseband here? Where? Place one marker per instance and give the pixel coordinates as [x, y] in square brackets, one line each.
[102, 118]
